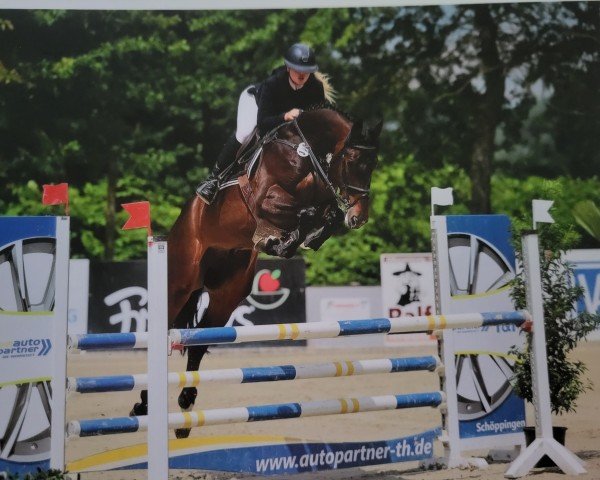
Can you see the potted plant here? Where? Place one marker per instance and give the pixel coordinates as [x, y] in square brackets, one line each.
[564, 328]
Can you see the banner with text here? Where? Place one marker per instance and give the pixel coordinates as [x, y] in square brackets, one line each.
[118, 296]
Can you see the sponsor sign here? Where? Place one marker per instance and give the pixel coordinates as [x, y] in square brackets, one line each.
[344, 303]
[119, 297]
[475, 263]
[33, 313]
[407, 290]
[586, 273]
[269, 455]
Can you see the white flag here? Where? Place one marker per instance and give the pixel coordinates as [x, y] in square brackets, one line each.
[541, 212]
[441, 196]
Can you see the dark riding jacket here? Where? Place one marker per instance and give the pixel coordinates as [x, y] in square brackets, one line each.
[275, 96]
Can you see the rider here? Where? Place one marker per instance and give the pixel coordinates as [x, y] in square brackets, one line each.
[279, 98]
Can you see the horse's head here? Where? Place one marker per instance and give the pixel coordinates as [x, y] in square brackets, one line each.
[357, 161]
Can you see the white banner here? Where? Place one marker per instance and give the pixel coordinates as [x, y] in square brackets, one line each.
[407, 290]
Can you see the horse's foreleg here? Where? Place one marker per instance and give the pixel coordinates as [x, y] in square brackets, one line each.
[188, 395]
[292, 240]
[334, 219]
[227, 289]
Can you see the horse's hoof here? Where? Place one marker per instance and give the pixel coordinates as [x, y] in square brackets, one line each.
[271, 245]
[182, 432]
[139, 409]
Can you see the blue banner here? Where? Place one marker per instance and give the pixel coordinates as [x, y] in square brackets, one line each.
[267, 455]
[20, 228]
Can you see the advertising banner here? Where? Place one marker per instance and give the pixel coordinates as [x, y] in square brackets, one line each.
[268, 455]
[34, 259]
[331, 304]
[118, 296]
[407, 290]
[474, 265]
[586, 272]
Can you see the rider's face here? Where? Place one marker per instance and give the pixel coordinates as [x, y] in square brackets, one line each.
[298, 78]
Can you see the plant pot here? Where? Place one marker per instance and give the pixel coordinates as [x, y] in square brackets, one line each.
[558, 433]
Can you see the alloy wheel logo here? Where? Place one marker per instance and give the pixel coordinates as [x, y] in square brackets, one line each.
[30, 347]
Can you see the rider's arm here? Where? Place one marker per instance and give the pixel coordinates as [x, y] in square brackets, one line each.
[269, 111]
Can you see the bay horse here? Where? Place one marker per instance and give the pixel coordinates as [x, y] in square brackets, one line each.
[308, 169]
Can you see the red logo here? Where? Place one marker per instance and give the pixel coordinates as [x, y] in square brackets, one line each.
[268, 281]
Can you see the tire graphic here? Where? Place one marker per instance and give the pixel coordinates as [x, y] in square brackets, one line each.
[27, 277]
[487, 270]
[482, 380]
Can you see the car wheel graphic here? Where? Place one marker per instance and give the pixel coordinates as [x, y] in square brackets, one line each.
[482, 380]
[27, 277]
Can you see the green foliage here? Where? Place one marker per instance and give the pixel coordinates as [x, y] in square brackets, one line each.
[39, 475]
[564, 329]
[587, 215]
[149, 97]
[513, 197]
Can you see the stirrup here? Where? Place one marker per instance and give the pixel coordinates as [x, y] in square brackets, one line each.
[207, 190]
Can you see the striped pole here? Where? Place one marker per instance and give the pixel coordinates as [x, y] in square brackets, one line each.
[108, 341]
[119, 383]
[221, 416]
[303, 331]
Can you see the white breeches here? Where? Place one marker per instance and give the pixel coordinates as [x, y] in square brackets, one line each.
[246, 116]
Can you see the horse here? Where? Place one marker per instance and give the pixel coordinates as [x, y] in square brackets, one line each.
[313, 173]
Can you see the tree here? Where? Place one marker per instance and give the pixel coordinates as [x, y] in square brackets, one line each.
[458, 76]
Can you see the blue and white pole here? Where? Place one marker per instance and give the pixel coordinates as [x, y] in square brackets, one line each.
[120, 383]
[221, 416]
[303, 331]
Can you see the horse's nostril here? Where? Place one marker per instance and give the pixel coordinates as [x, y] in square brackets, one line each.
[354, 221]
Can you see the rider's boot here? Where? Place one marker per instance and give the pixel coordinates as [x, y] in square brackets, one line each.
[208, 189]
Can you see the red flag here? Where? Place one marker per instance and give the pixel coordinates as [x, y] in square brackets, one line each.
[56, 194]
[139, 215]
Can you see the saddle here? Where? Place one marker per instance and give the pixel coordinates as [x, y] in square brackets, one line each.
[245, 160]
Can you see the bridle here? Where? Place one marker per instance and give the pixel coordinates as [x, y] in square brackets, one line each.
[321, 166]
[346, 186]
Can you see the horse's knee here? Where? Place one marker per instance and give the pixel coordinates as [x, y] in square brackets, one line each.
[187, 397]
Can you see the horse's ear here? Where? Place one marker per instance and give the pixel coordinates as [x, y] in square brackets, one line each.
[356, 134]
[371, 132]
[366, 133]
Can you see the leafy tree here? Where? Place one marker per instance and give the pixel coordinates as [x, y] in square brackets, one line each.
[564, 330]
[140, 104]
[456, 77]
[587, 215]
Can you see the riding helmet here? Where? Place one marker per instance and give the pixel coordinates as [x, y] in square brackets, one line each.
[301, 57]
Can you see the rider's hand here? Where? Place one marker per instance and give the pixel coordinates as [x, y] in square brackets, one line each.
[293, 113]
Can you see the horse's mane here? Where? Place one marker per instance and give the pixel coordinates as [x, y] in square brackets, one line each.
[326, 105]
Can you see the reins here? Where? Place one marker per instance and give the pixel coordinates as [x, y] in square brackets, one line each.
[321, 167]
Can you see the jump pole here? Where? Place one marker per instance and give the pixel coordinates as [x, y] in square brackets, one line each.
[302, 331]
[235, 376]
[257, 413]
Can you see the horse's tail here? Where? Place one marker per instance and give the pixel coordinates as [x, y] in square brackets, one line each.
[330, 92]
